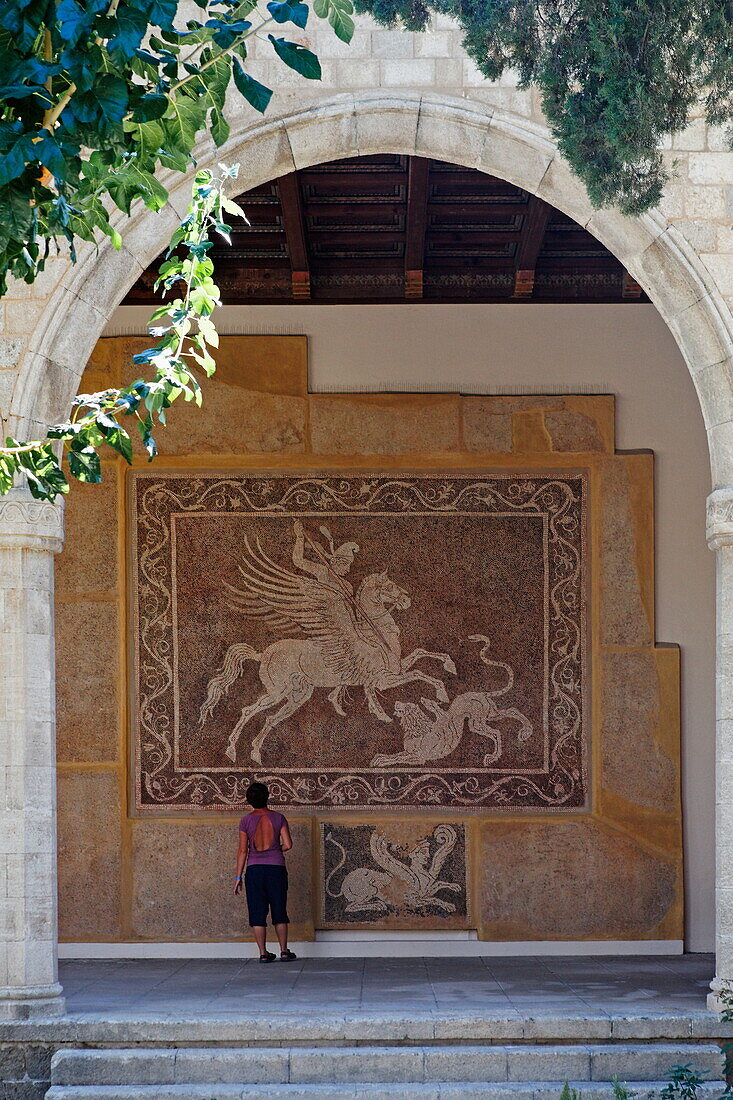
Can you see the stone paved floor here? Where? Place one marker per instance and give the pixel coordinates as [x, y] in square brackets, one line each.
[506, 987]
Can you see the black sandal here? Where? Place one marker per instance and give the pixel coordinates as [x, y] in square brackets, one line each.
[287, 956]
[268, 957]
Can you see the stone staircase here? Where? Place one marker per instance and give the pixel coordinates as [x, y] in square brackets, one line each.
[430, 1071]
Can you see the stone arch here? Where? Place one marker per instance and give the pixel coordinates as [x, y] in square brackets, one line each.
[470, 134]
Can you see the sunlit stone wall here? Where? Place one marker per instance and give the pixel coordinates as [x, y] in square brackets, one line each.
[137, 867]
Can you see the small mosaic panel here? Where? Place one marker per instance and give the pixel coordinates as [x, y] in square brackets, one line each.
[404, 874]
[361, 641]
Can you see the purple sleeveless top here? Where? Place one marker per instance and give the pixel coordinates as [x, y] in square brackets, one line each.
[272, 856]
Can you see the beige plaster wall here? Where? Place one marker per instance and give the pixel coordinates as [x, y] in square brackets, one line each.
[624, 350]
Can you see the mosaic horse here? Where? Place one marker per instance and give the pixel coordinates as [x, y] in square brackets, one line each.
[353, 641]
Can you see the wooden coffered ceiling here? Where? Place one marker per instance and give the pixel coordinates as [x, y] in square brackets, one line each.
[394, 228]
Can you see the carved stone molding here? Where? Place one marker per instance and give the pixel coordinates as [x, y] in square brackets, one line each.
[720, 518]
[31, 524]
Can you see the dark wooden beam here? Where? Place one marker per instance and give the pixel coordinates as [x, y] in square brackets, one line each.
[417, 224]
[292, 209]
[630, 288]
[530, 243]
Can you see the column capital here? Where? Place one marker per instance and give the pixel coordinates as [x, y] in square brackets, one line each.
[720, 518]
[26, 523]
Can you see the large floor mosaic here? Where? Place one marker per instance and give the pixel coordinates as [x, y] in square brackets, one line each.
[361, 641]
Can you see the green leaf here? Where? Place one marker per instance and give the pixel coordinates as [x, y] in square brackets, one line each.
[145, 427]
[255, 93]
[234, 208]
[120, 441]
[181, 124]
[297, 57]
[150, 107]
[341, 21]
[215, 82]
[220, 129]
[205, 361]
[85, 465]
[208, 332]
[114, 236]
[110, 93]
[16, 213]
[202, 302]
[48, 152]
[339, 14]
[73, 20]
[289, 11]
[161, 311]
[13, 159]
[133, 183]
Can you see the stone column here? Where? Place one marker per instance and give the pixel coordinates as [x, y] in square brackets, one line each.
[31, 532]
[720, 539]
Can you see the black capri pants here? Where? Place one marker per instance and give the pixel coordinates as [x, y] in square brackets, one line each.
[266, 887]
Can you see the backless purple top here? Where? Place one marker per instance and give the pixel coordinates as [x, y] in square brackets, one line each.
[263, 833]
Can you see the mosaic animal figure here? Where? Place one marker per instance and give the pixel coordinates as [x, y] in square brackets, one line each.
[434, 735]
[362, 888]
[351, 640]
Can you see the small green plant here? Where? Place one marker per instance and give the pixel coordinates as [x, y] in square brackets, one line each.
[570, 1094]
[684, 1081]
[621, 1090]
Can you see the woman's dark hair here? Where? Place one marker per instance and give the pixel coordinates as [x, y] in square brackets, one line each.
[257, 795]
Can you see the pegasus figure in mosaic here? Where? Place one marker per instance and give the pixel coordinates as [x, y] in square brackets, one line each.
[346, 639]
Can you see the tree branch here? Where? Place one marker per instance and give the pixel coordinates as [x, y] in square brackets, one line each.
[51, 116]
[222, 53]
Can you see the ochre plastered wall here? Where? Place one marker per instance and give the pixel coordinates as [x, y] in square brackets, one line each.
[615, 873]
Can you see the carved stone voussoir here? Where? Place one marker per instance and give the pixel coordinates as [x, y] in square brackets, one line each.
[720, 518]
[29, 523]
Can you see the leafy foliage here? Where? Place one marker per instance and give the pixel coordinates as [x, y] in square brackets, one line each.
[186, 335]
[96, 95]
[684, 1082]
[615, 76]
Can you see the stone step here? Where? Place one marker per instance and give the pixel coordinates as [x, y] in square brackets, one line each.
[286, 1029]
[384, 1090]
[366, 1064]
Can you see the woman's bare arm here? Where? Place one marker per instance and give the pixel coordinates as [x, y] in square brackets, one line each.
[241, 860]
[286, 841]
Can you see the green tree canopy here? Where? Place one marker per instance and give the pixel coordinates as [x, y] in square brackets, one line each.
[96, 95]
[186, 336]
[615, 76]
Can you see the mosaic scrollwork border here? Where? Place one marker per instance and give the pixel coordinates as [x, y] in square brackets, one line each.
[561, 496]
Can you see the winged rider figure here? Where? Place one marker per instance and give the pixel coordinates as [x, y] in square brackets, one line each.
[345, 639]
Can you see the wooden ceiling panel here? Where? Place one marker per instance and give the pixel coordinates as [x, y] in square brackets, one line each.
[393, 228]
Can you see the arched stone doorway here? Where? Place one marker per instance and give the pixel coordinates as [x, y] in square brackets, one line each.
[655, 254]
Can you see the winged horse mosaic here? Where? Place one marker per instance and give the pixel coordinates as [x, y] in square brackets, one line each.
[347, 639]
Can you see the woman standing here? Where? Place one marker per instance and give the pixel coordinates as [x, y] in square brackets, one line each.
[264, 837]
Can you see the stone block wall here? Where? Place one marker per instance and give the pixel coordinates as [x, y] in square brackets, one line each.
[612, 871]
